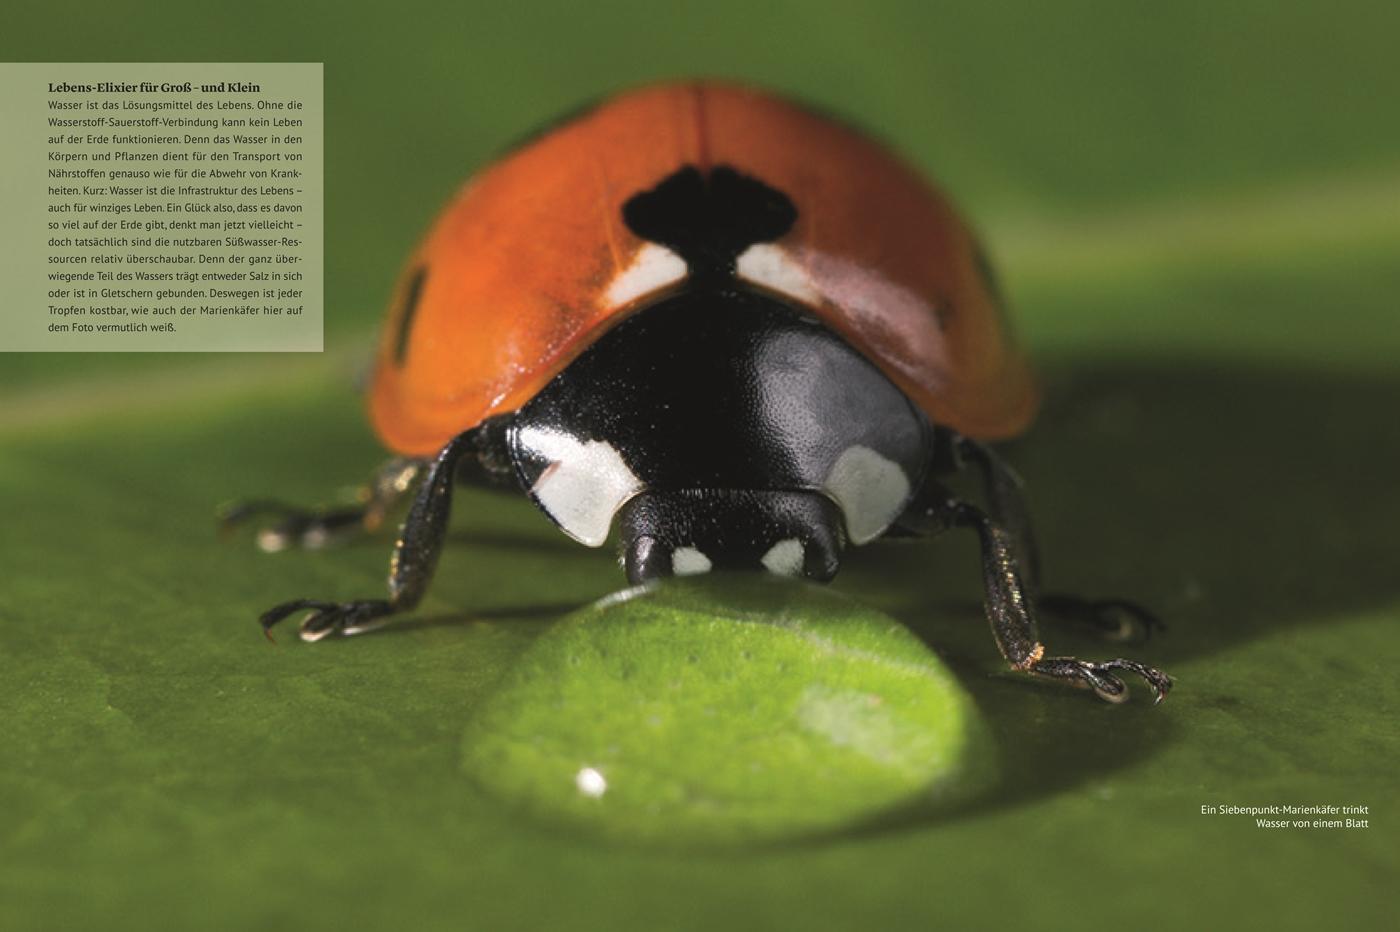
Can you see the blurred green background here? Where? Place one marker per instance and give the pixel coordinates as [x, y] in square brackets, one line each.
[1196, 210]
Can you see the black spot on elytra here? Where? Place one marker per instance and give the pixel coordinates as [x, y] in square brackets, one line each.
[709, 220]
[410, 308]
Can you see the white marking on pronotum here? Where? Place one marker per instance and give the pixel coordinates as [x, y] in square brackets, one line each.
[584, 484]
[687, 561]
[870, 489]
[773, 267]
[653, 268]
[590, 783]
[785, 558]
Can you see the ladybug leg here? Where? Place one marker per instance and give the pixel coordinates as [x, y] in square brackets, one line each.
[1011, 612]
[415, 556]
[1116, 620]
[314, 528]
[1005, 498]
[1010, 608]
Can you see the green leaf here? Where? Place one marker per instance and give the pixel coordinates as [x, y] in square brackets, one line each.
[1193, 208]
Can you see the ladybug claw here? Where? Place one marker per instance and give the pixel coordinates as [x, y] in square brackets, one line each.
[318, 625]
[1159, 682]
[1100, 677]
[1110, 688]
[326, 618]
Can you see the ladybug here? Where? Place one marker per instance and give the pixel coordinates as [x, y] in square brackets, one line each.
[729, 331]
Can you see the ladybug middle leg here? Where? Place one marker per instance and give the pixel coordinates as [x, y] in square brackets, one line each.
[314, 528]
[475, 454]
[1010, 593]
[1117, 620]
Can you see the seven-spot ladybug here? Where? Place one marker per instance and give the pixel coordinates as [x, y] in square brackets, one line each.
[742, 333]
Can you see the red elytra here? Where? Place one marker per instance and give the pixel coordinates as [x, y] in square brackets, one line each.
[518, 274]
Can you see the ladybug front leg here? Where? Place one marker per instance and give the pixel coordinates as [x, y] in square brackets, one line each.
[1011, 612]
[1118, 620]
[314, 528]
[1002, 488]
[415, 556]
[1010, 604]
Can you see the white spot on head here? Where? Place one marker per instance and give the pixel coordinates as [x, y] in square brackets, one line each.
[785, 558]
[870, 489]
[687, 561]
[590, 783]
[773, 267]
[653, 268]
[584, 485]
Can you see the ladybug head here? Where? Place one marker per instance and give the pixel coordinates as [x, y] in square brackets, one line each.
[681, 533]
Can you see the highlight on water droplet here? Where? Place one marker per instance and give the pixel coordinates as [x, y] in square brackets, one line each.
[590, 782]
